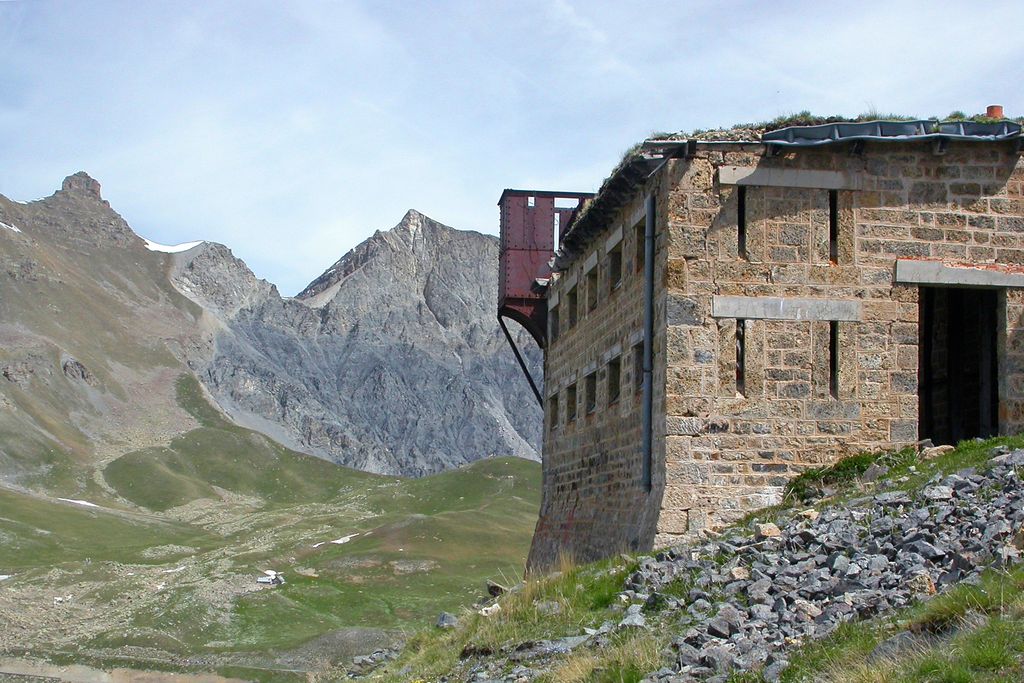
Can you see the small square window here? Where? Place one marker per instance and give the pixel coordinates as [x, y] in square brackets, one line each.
[592, 289]
[615, 268]
[614, 379]
[590, 386]
[570, 403]
[552, 412]
[553, 323]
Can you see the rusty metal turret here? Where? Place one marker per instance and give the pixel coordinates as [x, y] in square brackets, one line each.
[532, 222]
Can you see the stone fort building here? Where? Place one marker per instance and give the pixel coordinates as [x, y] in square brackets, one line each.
[733, 308]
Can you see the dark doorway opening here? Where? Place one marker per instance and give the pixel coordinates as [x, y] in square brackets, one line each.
[958, 373]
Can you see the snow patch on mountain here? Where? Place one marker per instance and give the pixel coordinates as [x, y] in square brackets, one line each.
[169, 249]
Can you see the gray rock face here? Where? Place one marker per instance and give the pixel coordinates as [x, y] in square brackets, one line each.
[391, 361]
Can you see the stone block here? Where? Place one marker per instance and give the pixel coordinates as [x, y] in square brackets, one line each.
[683, 310]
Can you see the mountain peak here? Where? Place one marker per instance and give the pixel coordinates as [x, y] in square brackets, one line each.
[83, 184]
[413, 222]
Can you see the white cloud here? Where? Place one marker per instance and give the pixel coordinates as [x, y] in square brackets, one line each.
[291, 131]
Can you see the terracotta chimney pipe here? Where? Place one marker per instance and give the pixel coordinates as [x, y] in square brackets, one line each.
[994, 111]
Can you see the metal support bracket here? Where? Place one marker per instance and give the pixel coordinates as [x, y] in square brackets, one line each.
[522, 363]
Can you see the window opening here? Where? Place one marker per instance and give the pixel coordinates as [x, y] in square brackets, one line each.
[570, 403]
[590, 387]
[741, 356]
[556, 225]
[614, 379]
[531, 201]
[592, 289]
[833, 226]
[741, 221]
[552, 412]
[833, 358]
[639, 240]
[572, 301]
[614, 268]
[553, 323]
[638, 367]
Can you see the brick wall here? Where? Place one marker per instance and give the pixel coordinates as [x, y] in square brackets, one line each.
[729, 451]
[595, 502]
[812, 390]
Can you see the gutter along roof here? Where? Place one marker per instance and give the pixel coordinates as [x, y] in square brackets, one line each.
[618, 189]
[647, 158]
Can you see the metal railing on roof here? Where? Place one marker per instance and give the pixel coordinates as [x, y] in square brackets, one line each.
[892, 131]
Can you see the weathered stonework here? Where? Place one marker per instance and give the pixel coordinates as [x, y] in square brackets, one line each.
[831, 370]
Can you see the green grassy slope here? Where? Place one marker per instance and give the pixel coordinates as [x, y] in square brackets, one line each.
[219, 505]
[220, 454]
[985, 648]
[37, 532]
[70, 291]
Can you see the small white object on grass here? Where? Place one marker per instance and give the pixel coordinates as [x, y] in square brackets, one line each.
[344, 539]
[490, 610]
[79, 502]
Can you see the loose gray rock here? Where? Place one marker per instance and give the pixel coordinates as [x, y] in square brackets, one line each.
[874, 472]
[446, 620]
[636, 620]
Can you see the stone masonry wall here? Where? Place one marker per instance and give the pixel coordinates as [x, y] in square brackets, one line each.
[729, 451]
[595, 502]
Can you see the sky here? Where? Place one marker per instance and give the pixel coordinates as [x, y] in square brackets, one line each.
[291, 131]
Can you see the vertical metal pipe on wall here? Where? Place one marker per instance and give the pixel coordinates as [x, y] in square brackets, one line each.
[648, 387]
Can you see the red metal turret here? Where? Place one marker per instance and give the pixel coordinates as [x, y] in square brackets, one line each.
[531, 224]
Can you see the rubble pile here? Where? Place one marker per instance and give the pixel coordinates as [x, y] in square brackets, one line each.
[743, 601]
[752, 598]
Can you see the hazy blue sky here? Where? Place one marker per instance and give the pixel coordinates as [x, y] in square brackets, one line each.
[290, 131]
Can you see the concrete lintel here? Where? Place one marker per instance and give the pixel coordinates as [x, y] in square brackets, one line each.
[590, 263]
[913, 272]
[613, 239]
[614, 351]
[638, 215]
[784, 308]
[787, 177]
[636, 337]
[570, 282]
[590, 368]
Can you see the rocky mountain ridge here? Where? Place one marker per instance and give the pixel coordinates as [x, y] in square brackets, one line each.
[391, 361]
